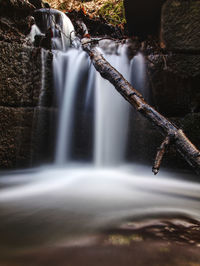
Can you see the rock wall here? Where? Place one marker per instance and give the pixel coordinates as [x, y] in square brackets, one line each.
[20, 75]
[180, 25]
[21, 117]
[175, 73]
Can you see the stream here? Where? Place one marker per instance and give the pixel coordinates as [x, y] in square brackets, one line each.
[91, 186]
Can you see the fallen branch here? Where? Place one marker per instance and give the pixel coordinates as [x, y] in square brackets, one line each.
[160, 154]
[183, 145]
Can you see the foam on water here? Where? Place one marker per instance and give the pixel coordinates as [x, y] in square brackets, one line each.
[53, 204]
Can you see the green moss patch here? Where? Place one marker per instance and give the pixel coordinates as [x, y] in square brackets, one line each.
[113, 13]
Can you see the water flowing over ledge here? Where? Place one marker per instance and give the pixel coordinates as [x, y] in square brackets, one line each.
[71, 198]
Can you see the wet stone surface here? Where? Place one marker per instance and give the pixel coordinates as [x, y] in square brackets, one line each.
[180, 24]
[174, 242]
[20, 79]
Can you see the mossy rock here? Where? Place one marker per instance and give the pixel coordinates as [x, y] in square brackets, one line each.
[113, 12]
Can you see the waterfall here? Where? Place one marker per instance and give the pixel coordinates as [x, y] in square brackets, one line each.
[111, 117]
[111, 110]
[68, 69]
[55, 23]
[71, 70]
[138, 74]
[34, 31]
[47, 208]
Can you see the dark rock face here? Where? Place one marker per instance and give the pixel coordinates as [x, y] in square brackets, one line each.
[21, 118]
[20, 79]
[175, 83]
[16, 7]
[36, 3]
[176, 76]
[15, 136]
[19, 7]
[191, 126]
[180, 24]
[19, 95]
[143, 17]
[96, 27]
[25, 127]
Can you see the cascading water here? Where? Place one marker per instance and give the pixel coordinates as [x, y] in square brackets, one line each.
[54, 203]
[111, 119]
[138, 74]
[67, 82]
[111, 111]
[58, 25]
[34, 31]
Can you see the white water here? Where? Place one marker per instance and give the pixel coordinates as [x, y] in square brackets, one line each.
[138, 74]
[68, 70]
[34, 31]
[112, 112]
[51, 205]
[60, 24]
[62, 30]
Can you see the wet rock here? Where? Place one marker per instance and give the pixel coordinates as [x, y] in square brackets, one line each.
[25, 129]
[191, 126]
[95, 26]
[16, 7]
[14, 19]
[13, 32]
[175, 76]
[15, 140]
[20, 89]
[36, 3]
[180, 24]
[20, 79]
[143, 139]
[175, 83]
[43, 135]
[26, 136]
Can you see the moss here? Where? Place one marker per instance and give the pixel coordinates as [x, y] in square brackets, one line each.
[62, 6]
[113, 12]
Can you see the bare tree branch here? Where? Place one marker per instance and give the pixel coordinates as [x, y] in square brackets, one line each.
[183, 145]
